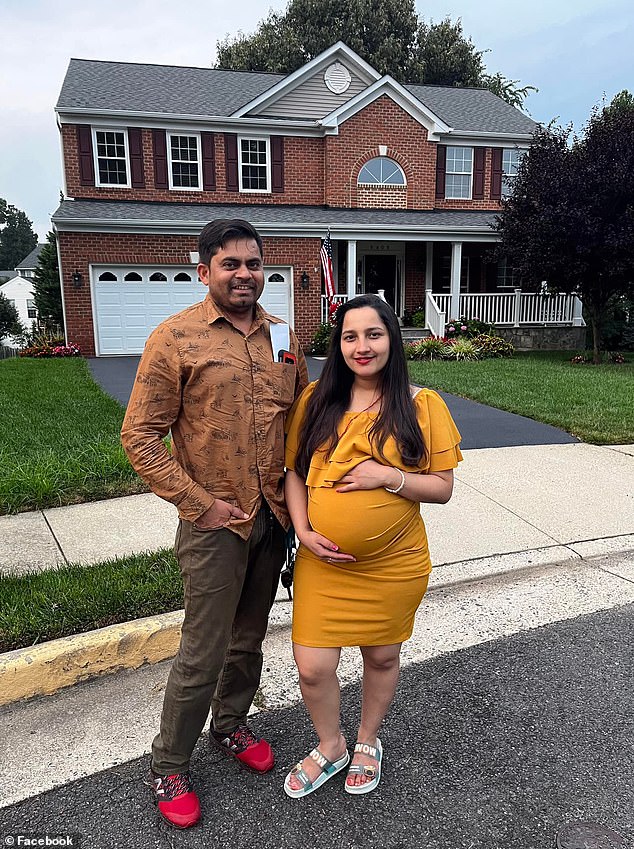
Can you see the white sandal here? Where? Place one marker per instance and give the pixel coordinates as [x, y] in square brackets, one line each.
[371, 772]
[328, 769]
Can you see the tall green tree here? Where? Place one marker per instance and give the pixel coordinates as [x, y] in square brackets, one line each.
[10, 324]
[17, 238]
[388, 34]
[570, 217]
[47, 292]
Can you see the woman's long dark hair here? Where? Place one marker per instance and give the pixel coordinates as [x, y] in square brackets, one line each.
[331, 397]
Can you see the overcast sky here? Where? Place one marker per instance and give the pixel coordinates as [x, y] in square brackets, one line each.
[573, 51]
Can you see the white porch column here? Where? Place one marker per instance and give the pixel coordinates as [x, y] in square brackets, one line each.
[429, 267]
[577, 312]
[456, 265]
[351, 269]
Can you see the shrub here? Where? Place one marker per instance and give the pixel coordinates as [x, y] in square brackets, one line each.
[579, 359]
[321, 339]
[616, 357]
[468, 327]
[415, 317]
[50, 349]
[431, 348]
[463, 349]
[492, 346]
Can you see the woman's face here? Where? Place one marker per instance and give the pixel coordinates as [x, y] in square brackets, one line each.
[365, 342]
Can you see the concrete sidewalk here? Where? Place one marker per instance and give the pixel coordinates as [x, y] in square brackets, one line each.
[512, 508]
[570, 500]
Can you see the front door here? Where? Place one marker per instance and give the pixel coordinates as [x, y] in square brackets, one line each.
[380, 273]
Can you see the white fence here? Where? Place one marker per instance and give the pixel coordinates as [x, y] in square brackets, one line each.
[510, 309]
[505, 309]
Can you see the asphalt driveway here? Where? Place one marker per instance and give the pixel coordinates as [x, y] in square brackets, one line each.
[481, 426]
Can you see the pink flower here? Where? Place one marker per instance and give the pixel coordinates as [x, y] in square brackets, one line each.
[451, 327]
[463, 327]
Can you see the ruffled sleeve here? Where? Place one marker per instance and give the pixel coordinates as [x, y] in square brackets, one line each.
[442, 438]
[294, 422]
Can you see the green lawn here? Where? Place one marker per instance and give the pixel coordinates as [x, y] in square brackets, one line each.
[60, 437]
[73, 599]
[595, 403]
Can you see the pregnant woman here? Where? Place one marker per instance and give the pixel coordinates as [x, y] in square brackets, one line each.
[364, 448]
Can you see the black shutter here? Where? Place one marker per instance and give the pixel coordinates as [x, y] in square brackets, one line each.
[159, 143]
[135, 146]
[496, 173]
[441, 164]
[209, 162]
[231, 161]
[478, 172]
[277, 163]
[86, 162]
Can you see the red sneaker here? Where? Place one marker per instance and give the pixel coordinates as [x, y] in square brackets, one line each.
[250, 750]
[177, 801]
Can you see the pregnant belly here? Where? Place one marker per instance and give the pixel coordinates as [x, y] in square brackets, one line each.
[366, 523]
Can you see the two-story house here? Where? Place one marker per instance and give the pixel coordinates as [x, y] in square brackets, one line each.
[406, 178]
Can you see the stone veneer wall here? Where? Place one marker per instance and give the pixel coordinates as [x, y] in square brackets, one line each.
[544, 338]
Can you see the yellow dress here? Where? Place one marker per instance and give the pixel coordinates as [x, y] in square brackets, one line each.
[371, 601]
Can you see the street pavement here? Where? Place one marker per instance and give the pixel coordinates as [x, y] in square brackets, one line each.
[513, 715]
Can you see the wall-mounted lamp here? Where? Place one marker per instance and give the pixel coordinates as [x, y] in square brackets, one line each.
[305, 280]
[78, 279]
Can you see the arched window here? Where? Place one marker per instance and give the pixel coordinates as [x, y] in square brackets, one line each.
[133, 277]
[381, 172]
[182, 277]
[158, 277]
[108, 276]
[276, 278]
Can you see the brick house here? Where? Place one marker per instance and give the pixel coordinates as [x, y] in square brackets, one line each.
[407, 178]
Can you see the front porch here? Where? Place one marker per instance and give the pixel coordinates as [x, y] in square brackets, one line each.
[451, 280]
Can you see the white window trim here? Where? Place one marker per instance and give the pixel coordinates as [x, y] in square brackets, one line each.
[511, 177]
[266, 139]
[174, 188]
[98, 183]
[402, 185]
[460, 173]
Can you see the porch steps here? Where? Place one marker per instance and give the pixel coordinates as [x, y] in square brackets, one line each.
[414, 334]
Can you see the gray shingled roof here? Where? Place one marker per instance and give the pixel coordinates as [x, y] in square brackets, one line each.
[168, 89]
[474, 109]
[262, 214]
[30, 261]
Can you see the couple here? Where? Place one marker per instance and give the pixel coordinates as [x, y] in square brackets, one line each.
[362, 451]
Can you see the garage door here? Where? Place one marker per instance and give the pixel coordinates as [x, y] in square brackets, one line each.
[129, 302]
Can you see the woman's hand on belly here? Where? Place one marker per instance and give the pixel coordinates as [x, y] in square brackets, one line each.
[323, 548]
[367, 475]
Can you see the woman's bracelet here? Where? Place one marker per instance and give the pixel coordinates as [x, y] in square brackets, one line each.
[398, 488]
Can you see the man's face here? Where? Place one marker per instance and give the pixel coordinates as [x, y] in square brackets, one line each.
[235, 276]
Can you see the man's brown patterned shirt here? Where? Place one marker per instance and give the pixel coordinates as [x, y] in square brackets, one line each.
[225, 402]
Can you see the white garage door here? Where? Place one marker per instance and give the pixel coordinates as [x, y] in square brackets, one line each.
[129, 302]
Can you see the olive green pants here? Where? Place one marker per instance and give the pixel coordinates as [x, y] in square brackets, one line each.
[230, 585]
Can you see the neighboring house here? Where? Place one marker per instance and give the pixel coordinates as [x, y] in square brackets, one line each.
[19, 292]
[407, 178]
[27, 267]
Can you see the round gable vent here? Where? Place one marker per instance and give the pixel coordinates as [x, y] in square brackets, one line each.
[337, 78]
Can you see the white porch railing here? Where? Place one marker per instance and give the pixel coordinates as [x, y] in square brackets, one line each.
[504, 309]
[435, 314]
[338, 299]
[510, 309]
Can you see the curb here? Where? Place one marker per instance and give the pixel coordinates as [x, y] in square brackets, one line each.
[44, 669]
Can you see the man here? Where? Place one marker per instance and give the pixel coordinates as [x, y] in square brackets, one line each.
[211, 374]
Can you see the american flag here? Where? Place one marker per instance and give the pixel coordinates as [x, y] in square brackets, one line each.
[329, 280]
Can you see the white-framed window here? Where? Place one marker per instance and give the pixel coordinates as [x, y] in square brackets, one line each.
[185, 171]
[254, 167]
[381, 171]
[511, 158]
[505, 275]
[459, 173]
[112, 157]
[31, 311]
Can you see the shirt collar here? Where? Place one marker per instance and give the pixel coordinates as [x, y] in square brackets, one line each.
[214, 313]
